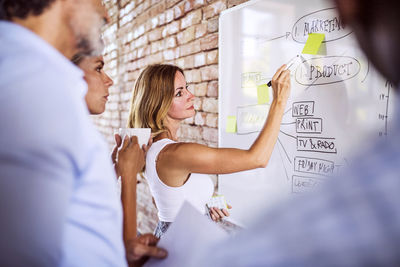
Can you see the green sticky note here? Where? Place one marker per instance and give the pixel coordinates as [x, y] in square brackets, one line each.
[231, 124]
[313, 43]
[262, 94]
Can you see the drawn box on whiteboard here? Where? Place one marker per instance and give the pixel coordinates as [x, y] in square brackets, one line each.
[301, 184]
[324, 21]
[308, 125]
[316, 144]
[314, 166]
[303, 109]
[251, 79]
[251, 119]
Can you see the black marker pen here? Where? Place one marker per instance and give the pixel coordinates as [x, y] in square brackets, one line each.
[288, 65]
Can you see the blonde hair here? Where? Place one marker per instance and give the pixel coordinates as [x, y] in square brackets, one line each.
[152, 97]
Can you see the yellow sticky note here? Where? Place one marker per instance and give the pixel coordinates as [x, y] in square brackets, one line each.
[313, 43]
[231, 124]
[262, 94]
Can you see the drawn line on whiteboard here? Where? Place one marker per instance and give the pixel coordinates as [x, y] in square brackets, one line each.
[284, 151]
[287, 111]
[288, 134]
[311, 84]
[388, 85]
[284, 167]
[366, 75]
[288, 123]
[276, 38]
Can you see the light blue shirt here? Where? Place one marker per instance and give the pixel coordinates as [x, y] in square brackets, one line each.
[58, 203]
[353, 220]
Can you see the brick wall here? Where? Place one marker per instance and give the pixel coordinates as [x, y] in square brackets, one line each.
[184, 33]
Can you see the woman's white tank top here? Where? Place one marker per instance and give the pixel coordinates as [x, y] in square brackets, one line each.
[197, 190]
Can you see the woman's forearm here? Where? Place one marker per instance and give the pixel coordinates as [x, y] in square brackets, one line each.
[263, 146]
[128, 198]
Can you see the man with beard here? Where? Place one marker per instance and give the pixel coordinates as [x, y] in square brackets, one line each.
[58, 202]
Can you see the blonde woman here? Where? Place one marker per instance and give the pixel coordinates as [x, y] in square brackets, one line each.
[177, 171]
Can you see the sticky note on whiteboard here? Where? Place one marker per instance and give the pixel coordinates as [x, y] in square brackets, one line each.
[231, 124]
[313, 43]
[262, 94]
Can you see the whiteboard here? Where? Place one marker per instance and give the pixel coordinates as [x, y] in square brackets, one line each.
[338, 101]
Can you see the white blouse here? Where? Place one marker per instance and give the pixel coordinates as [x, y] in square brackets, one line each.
[197, 190]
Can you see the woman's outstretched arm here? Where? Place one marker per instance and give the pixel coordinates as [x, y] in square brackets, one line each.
[177, 161]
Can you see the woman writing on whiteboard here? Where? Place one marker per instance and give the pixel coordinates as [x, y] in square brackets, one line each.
[176, 171]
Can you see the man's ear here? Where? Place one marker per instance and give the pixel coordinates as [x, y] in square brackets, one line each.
[347, 9]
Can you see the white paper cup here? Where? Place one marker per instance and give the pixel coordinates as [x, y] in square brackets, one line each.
[143, 134]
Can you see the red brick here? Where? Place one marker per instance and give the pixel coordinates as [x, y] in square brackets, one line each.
[188, 5]
[190, 48]
[177, 52]
[210, 105]
[212, 25]
[154, 22]
[157, 9]
[191, 132]
[201, 30]
[128, 8]
[200, 118]
[161, 19]
[170, 54]
[142, 17]
[171, 28]
[141, 41]
[199, 59]
[180, 63]
[148, 25]
[193, 4]
[146, 5]
[143, 51]
[186, 36]
[141, 63]
[155, 58]
[170, 42]
[155, 34]
[179, 10]
[132, 55]
[193, 76]
[210, 134]
[189, 120]
[156, 46]
[198, 103]
[212, 88]
[214, 9]
[200, 89]
[191, 18]
[232, 3]
[179, 38]
[212, 57]
[212, 120]
[209, 42]
[209, 73]
[188, 62]
[127, 48]
[171, 3]
[169, 15]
